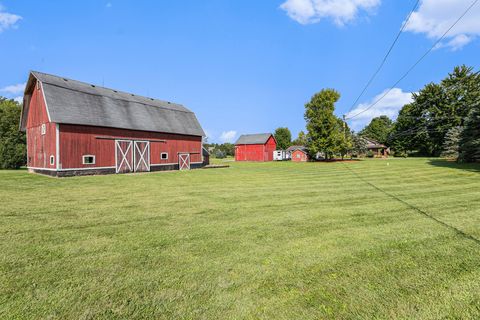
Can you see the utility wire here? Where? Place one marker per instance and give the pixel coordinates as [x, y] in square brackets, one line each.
[416, 63]
[386, 56]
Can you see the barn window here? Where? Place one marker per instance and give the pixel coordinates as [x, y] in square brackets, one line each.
[52, 160]
[298, 155]
[164, 155]
[44, 129]
[88, 159]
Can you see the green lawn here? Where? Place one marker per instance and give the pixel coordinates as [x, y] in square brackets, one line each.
[384, 239]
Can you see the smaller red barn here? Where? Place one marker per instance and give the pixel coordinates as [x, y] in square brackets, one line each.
[255, 147]
[299, 154]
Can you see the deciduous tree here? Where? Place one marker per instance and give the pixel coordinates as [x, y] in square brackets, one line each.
[13, 152]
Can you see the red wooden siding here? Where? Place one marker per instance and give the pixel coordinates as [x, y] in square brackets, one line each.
[76, 141]
[40, 146]
[256, 152]
[299, 156]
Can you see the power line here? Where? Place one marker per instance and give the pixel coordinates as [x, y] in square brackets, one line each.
[416, 63]
[385, 57]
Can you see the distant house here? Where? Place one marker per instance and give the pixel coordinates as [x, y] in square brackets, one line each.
[299, 154]
[255, 147]
[378, 149]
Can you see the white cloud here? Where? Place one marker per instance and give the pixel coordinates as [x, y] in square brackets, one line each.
[7, 20]
[14, 89]
[19, 99]
[228, 136]
[340, 11]
[434, 17]
[389, 106]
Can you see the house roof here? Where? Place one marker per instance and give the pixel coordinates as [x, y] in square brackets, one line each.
[259, 138]
[74, 102]
[293, 148]
[372, 144]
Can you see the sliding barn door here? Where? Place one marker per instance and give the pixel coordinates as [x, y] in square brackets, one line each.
[123, 156]
[184, 161]
[142, 156]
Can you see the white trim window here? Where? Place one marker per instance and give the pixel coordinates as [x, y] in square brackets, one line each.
[164, 156]
[52, 160]
[43, 129]
[88, 159]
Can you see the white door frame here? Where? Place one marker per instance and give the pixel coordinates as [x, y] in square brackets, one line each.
[182, 162]
[123, 154]
[142, 154]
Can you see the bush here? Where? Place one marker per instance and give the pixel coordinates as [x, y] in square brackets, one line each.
[370, 154]
[219, 154]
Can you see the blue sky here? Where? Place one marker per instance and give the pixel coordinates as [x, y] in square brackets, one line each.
[242, 66]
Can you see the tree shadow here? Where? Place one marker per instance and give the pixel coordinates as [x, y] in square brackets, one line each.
[473, 167]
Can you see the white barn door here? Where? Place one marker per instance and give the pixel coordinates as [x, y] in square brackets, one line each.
[184, 161]
[123, 156]
[141, 156]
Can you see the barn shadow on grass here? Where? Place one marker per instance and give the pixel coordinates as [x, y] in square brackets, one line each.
[472, 167]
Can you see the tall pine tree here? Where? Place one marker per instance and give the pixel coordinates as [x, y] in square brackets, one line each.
[470, 138]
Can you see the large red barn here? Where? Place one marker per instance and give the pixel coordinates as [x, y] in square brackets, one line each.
[77, 128]
[255, 147]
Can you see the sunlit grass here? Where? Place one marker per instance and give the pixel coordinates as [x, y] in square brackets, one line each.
[386, 239]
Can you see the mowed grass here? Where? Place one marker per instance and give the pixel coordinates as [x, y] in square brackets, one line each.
[374, 239]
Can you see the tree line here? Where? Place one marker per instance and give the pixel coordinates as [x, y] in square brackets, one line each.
[442, 120]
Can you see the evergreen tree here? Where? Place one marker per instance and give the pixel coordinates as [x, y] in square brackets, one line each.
[451, 144]
[470, 137]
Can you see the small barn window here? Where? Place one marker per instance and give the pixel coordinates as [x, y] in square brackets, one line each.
[44, 129]
[164, 156]
[88, 159]
[52, 160]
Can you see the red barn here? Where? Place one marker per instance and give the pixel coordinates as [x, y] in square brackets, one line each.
[255, 147]
[76, 128]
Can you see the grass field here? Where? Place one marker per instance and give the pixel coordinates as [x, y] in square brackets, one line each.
[383, 239]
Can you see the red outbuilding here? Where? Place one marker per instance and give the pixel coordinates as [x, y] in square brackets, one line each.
[255, 147]
[76, 128]
[299, 154]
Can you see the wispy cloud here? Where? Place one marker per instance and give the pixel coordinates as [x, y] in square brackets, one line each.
[434, 17]
[228, 136]
[7, 20]
[18, 99]
[340, 11]
[14, 89]
[389, 106]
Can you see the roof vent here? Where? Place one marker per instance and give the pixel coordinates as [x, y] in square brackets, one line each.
[133, 95]
[115, 91]
[152, 99]
[65, 79]
[92, 86]
[168, 102]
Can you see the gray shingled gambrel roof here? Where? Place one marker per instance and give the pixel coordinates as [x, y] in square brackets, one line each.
[74, 102]
[260, 138]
